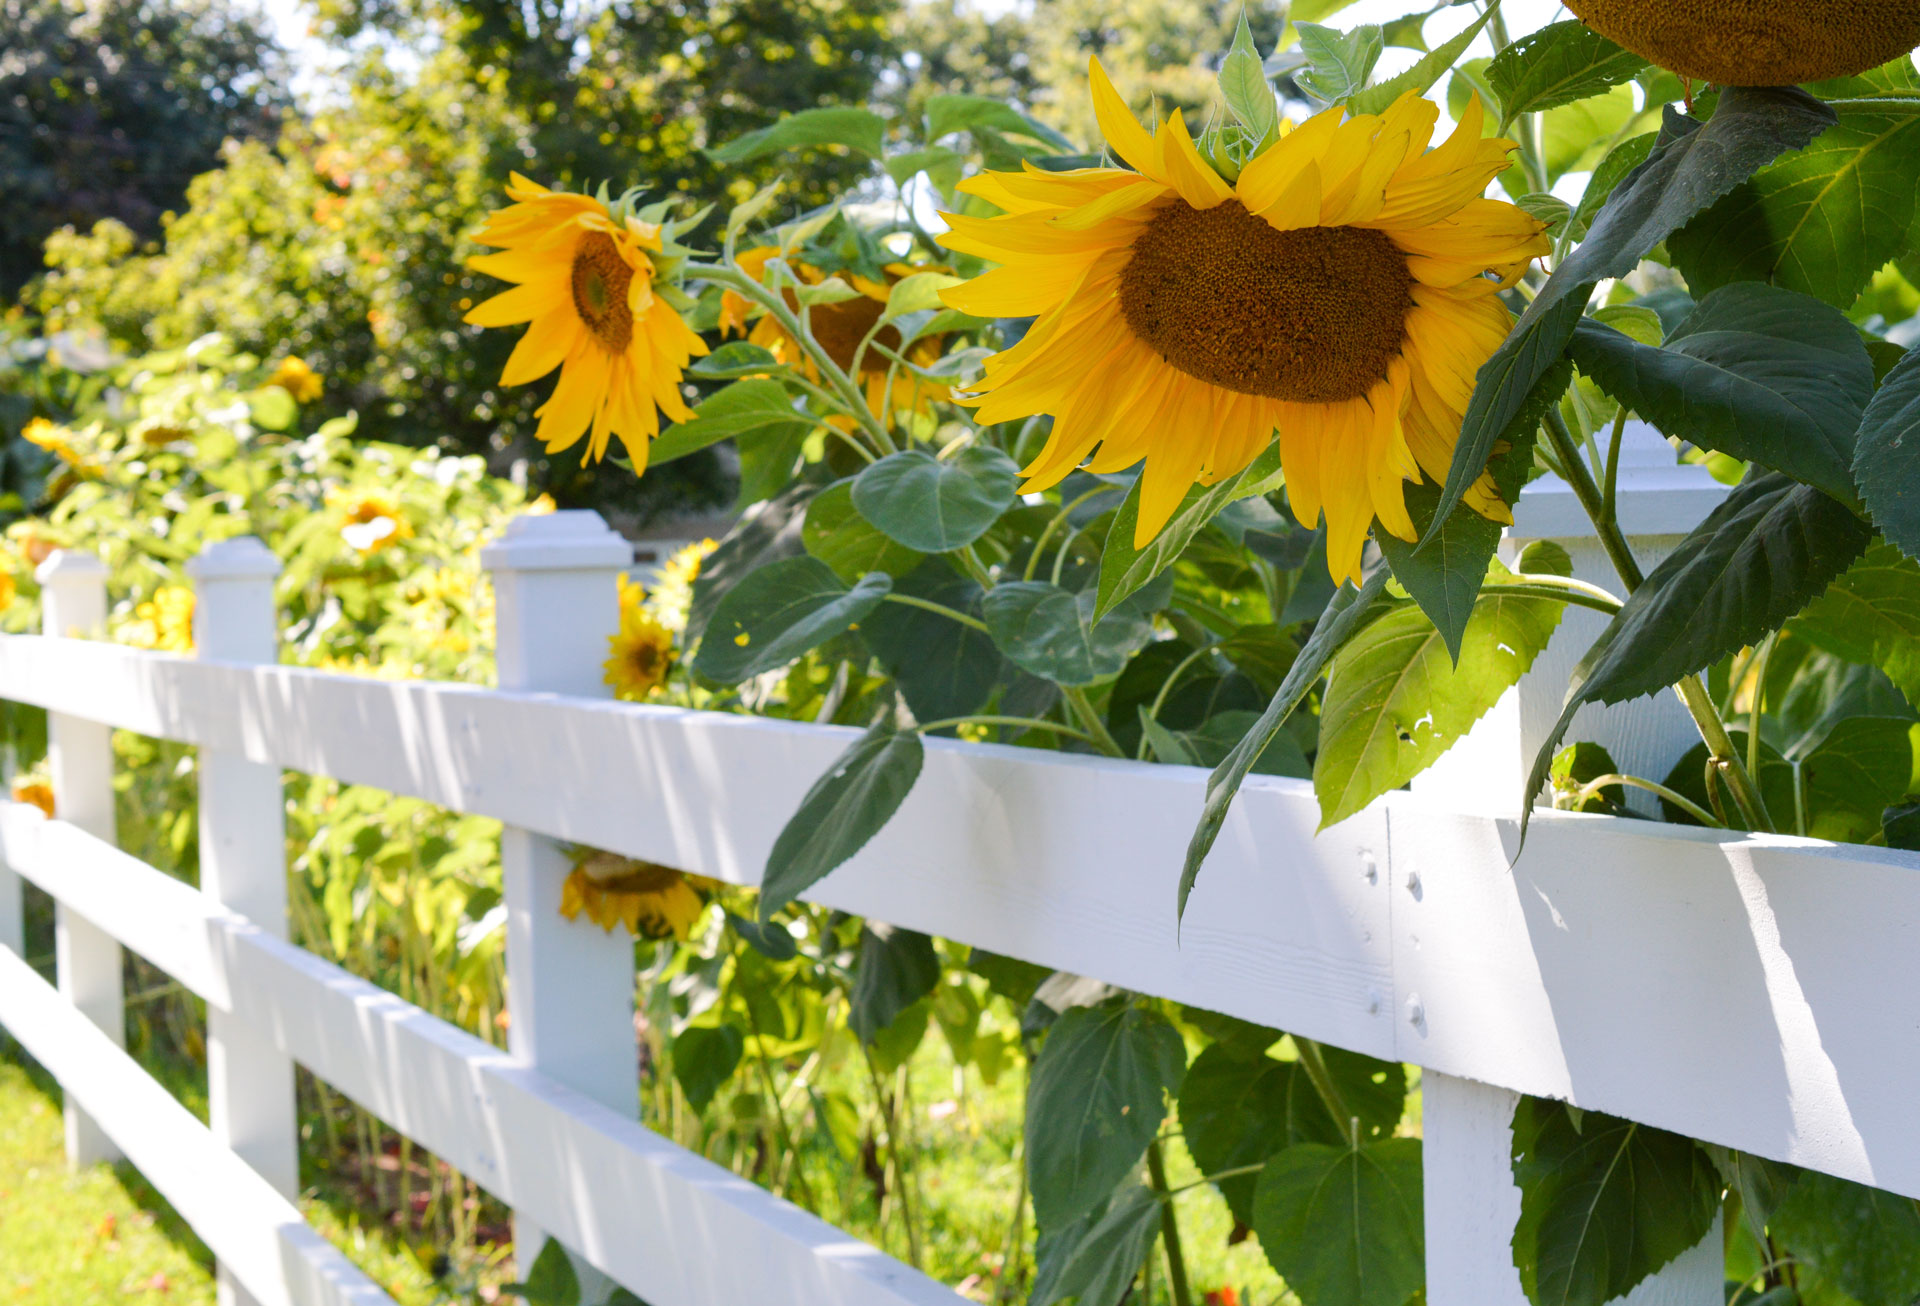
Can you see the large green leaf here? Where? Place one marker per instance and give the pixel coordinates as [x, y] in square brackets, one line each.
[1396, 701]
[1098, 1256]
[944, 669]
[1124, 569]
[1347, 612]
[1613, 169]
[1886, 461]
[1429, 69]
[857, 129]
[1871, 614]
[1690, 167]
[1861, 1240]
[1759, 558]
[1560, 63]
[704, 1059]
[839, 536]
[1244, 86]
[1338, 63]
[1096, 1100]
[1239, 1106]
[1822, 220]
[767, 533]
[1848, 779]
[895, 969]
[1766, 375]
[846, 807]
[1051, 632]
[931, 504]
[1345, 1225]
[960, 112]
[743, 408]
[779, 612]
[1603, 1202]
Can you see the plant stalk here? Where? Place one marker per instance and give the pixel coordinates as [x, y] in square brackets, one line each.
[1076, 698]
[1315, 1065]
[1169, 1227]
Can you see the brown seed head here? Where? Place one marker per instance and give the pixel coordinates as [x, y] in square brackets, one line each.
[600, 281]
[1758, 42]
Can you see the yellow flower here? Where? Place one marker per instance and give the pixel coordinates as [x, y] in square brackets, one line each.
[839, 328]
[641, 653]
[1342, 291]
[58, 440]
[297, 379]
[163, 622]
[28, 788]
[673, 587]
[370, 519]
[9, 590]
[586, 283]
[653, 901]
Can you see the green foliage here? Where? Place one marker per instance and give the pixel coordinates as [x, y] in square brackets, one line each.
[1559, 64]
[781, 611]
[846, 807]
[1345, 1224]
[932, 504]
[1886, 460]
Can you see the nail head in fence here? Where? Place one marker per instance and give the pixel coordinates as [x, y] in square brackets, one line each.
[570, 984]
[73, 603]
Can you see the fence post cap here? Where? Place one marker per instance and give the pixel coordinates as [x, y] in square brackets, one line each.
[68, 564]
[572, 539]
[244, 557]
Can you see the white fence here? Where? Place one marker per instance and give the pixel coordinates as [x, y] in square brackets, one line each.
[1753, 991]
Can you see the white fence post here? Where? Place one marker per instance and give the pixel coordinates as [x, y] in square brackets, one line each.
[570, 984]
[73, 602]
[243, 866]
[1471, 1200]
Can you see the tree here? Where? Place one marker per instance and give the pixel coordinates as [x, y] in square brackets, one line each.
[108, 109]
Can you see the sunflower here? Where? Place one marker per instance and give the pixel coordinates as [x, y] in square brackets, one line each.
[297, 379]
[163, 622]
[641, 653]
[1341, 291]
[59, 441]
[33, 789]
[586, 279]
[1758, 42]
[653, 901]
[672, 593]
[370, 519]
[839, 328]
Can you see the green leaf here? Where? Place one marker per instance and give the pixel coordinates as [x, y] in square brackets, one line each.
[1603, 1204]
[272, 409]
[1345, 1225]
[1098, 1257]
[941, 164]
[768, 532]
[1858, 769]
[1443, 575]
[1756, 561]
[1689, 168]
[954, 113]
[1347, 612]
[857, 129]
[704, 1059]
[933, 505]
[1097, 1097]
[551, 1281]
[756, 404]
[1871, 615]
[1338, 63]
[1560, 63]
[1421, 77]
[1822, 220]
[895, 969]
[846, 807]
[917, 293]
[1766, 375]
[1900, 824]
[1124, 569]
[1886, 460]
[1861, 1240]
[1052, 632]
[1239, 1106]
[943, 669]
[1613, 169]
[1244, 86]
[779, 612]
[1395, 701]
[733, 360]
[1761, 1183]
[836, 533]
[1011, 978]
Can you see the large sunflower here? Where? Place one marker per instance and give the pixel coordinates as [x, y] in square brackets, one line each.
[840, 327]
[1341, 291]
[585, 280]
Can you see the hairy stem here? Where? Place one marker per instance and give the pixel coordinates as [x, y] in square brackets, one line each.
[1169, 1227]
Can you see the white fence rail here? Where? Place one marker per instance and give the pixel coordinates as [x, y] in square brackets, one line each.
[1753, 991]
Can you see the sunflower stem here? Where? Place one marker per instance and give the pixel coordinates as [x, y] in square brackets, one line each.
[1169, 1227]
[1551, 587]
[775, 304]
[1076, 698]
[965, 619]
[1609, 496]
[1681, 801]
[1025, 722]
[1046, 533]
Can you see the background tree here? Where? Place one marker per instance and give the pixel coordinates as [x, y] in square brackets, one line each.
[108, 109]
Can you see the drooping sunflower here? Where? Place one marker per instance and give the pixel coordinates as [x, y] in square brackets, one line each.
[1758, 42]
[651, 900]
[1342, 291]
[840, 327]
[586, 280]
[640, 653]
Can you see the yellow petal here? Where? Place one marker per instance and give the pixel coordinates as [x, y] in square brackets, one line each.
[1192, 176]
[544, 346]
[1122, 131]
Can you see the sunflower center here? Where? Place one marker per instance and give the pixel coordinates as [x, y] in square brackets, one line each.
[600, 281]
[841, 327]
[1313, 315]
